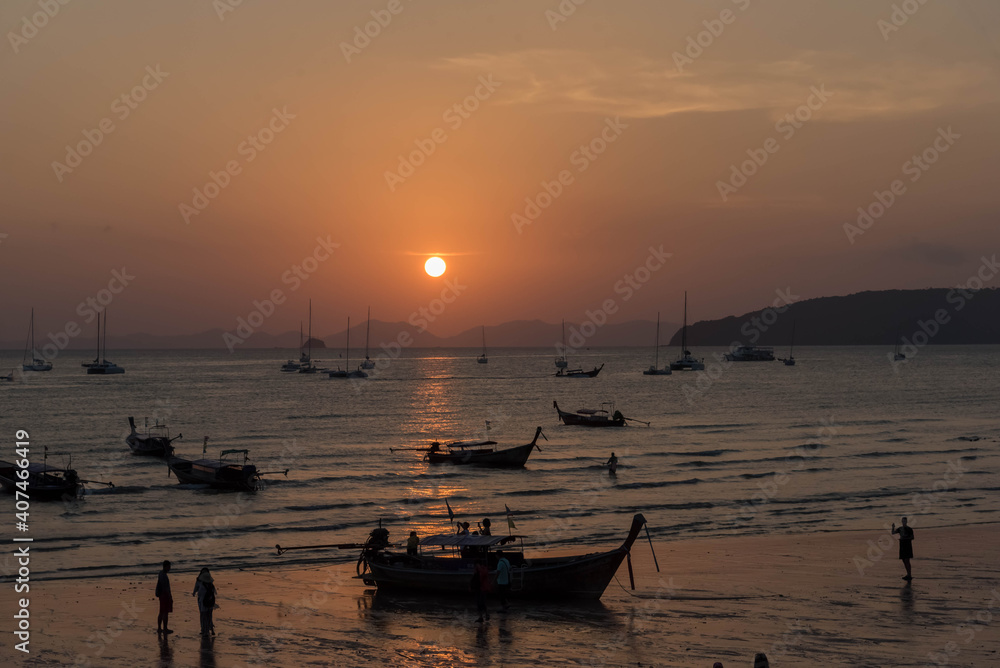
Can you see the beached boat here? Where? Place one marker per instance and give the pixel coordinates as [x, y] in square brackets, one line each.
[103, 367]
[217, 473]
[341, 373]
[655, 369]
[36, 363]
[751, 354]
[579, 373]
[687, 361]
[482, 359]
[45, 483]
[592, 417]
[368, 363]
[482, 453]
[155, 442]
[444, 565]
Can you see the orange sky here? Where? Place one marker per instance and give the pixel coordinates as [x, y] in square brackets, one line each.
[341, 126]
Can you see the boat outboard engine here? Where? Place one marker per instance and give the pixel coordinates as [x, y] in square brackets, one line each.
[378, 540]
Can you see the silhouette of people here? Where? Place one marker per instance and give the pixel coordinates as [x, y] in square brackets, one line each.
[612, 464]
[166, 600]
[463, 529]
[503, 578]
[485, 531]
[411, 544]
[479, 585]
[204, 589]
[760, 661]
[905, 546]
[717, 664]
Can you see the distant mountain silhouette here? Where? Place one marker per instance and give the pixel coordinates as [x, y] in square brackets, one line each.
[864, 318]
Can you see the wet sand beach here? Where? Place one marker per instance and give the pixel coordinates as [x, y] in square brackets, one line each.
[799, 598]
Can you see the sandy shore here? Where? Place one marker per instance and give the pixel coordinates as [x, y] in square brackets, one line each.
[800, 598]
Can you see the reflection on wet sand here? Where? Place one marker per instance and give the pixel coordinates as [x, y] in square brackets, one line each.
[166, 652]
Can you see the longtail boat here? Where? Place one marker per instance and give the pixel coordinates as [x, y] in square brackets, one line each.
[483, 453]
[592, 417]
[217, 473]
[155, 442]
[437, 571]
[45, 483]
[578, 373]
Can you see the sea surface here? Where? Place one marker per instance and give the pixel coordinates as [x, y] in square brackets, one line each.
[843, 440]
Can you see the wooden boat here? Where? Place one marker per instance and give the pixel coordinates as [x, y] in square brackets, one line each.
[655, 369]
[579, 373]
[36, 363]
[581, 576]
[483, 453]
[217, 473]
[592, 417]
[45, 483]
[155, 442]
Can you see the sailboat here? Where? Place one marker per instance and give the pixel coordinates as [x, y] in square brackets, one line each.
[686, 362]
[368, 363]
[104, 367]
[790, 360]
[482, 359]
[561, 362]
[897, 356]
[357, 373]
[305, 361]
[291, 366]
[37, 364]
[654, 370]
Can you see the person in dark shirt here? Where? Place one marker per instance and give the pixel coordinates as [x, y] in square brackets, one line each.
[166, 600]
[905, 546]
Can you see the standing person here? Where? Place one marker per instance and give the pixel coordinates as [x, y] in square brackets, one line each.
[166, 600]
[760, 661]
[612, 464]
[204, 589]
[503, 578]
[905, 546]
[479, 585]
[411, 544]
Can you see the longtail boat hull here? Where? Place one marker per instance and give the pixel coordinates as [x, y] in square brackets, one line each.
[45, 483]
[579, 420]
[515, 457]
[209, 472]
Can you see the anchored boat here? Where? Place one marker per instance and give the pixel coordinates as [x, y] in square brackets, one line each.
[155, 442]
[482, 453]
[592, 417]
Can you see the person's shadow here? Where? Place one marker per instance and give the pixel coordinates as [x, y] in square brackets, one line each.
[207, 654]
[906, 599]
[166, 652]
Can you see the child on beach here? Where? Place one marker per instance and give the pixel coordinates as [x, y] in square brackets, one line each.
[905, 546]
[204, 589]
[166, 601]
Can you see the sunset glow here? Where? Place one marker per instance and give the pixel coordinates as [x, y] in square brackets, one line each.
[434, 266]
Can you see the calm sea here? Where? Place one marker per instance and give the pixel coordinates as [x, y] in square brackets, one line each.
[842, 440]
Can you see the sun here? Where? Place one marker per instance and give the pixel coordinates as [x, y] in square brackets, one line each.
[434, 266]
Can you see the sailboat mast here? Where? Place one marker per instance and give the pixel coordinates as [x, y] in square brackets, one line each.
[368, 330]
[309, 341]
[98, 358]
[791, 346]
[104, 355]
[656, 345]
[348, 362]
[484, 340]
[684, 328]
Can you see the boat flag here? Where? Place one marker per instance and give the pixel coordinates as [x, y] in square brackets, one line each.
[510, 518]
[451, 515]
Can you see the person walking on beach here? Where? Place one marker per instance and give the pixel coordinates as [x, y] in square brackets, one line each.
[479, 585]
[503, 578]
[905, 546]
[204, 589]
[612, 464]
[166, 600]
